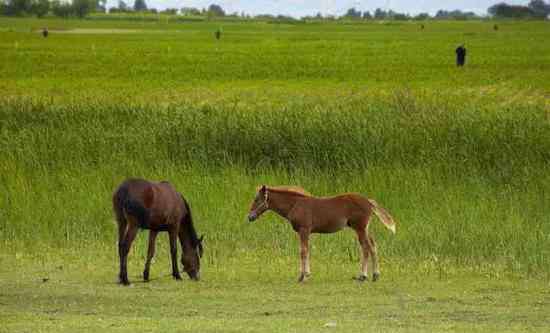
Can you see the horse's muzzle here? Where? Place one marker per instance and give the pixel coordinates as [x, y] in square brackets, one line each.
[195, 276]
[251, 217]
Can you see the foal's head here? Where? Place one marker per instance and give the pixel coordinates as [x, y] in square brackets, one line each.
[191, 259]
[259, 205]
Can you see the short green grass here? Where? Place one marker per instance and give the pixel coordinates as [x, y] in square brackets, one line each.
[68, 293]
[458, 156]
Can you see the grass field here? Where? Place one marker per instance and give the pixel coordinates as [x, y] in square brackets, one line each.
[459, 157]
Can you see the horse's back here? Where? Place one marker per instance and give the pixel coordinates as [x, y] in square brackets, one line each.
[158, 200]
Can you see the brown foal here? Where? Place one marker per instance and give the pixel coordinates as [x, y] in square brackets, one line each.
[141, 204]
[308, 214]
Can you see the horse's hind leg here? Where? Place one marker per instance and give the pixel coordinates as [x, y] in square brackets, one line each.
[124, 249]
[150, 254]
[365, 250]
[174, 253]
[122, 227]
[376, 270]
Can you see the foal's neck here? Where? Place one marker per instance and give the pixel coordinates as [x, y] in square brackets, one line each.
[282, 202]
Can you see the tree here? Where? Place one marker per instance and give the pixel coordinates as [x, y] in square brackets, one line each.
[367, 15]
[190, 11]
[539, 8]
[18, 7]
[101, 6]
[215, 10]
[123, 7]
[504, 10]
[170, 11]
[422, 17]
[380, 14]
[82, 8]
[40, 7]
[353, 13]
[61, 9]
[140, 5]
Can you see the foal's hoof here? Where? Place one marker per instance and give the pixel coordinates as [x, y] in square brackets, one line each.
[303, 277]
[146, 276]
[375, 276]
[177, 276]
[361, 278]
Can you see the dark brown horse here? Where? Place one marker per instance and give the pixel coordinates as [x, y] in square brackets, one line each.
[140, 204]
[308, 214]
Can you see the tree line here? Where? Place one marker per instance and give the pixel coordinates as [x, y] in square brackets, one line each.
[81, 8]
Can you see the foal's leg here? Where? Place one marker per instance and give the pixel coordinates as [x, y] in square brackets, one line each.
[174, 253]
[150, 254]
[365, 249]
[304, 255]
[124, 249]
[376, 270]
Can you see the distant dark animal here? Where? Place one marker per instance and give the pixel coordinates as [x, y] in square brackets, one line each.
[141, 204]
[308, 214]
[45, 32]
[495, 27]
[218, 34]
[460, 55]
[422, 27]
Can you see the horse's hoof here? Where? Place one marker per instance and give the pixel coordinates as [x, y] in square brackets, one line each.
[125, 282]
[177, 277]
[146, 276]
[375, 276]
[361, 278]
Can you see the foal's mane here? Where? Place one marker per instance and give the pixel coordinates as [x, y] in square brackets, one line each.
[296, 190]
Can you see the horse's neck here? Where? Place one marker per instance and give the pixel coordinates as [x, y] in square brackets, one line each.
[282, 203]
[187, 242]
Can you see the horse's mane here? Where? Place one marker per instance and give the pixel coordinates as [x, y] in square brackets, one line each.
[291, 189]
[189, 226]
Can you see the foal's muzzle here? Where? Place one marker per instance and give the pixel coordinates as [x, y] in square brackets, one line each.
[252, 217]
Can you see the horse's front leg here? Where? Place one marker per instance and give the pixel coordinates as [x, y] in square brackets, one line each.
[150, 254]
[304, 255]
[174, 253]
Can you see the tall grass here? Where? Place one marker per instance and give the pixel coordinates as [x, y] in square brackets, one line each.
[466, 184]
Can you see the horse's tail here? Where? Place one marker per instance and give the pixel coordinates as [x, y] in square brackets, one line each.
[383, 215]
[124, 205]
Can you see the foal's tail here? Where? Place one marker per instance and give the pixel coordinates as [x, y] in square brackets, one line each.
[383, 215]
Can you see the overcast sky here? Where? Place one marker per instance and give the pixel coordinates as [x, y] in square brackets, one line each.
[299, 8]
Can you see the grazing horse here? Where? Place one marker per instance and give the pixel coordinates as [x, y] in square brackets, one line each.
[140, 204]
[308, 214]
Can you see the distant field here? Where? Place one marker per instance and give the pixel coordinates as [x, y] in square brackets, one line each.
[459, 157]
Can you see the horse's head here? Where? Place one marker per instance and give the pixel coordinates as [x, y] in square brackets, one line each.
[259, 205]
[191, 260]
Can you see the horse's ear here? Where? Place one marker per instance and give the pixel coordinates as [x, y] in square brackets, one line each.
[264, 188]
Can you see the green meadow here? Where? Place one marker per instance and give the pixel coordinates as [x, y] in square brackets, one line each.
[459, 156]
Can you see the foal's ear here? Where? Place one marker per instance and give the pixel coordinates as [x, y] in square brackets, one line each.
[263, 189]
